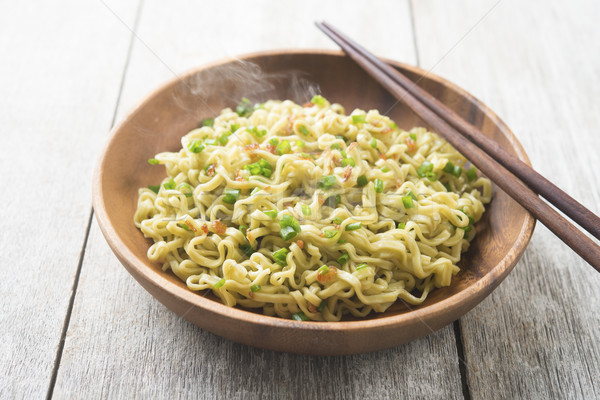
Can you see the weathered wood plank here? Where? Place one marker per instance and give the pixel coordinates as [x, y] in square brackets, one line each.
[59, 78]
[122, 343]
[536, 63]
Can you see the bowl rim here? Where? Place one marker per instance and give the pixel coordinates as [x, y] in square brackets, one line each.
[154, 278]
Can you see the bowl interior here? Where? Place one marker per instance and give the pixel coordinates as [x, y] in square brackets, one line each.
[159, 122]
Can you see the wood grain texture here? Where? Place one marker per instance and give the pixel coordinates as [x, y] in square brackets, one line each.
[537, 335]
[59, 79]
[121, 342]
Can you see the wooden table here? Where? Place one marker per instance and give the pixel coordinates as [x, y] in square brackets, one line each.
[74, 324]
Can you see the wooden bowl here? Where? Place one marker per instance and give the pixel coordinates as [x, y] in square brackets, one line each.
[158, 123]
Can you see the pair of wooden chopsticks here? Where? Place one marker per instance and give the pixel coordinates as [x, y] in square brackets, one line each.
[511, 174]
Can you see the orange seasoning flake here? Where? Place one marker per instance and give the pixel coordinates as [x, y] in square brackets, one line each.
[218, 227]
[311, 307]
[210, 171]
[272, 148]
[347, 173]
[412, 145]
[191, 226]
[327, 276]
[205, 229]
[300, 243]
[238, 177]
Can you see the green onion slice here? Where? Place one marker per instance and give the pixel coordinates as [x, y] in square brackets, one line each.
[348, 161]
[361, 266]
[471, 174]
[373, 143]
[362, 180]
[255, 288]
[303, 130]
[327, 182]
[354, 226]
[306, 210]
[219, 284]
[189, 191]
[154, 188]
[271, 213]
[280, 256]
[378, 185]
[247, 249]
[359, 119]
[208, 122]
[318, 100]
[196, 146]
[343, 259]
[425, 168]
[231, 196]
[153, 161]
[170, 185]
[284, 147]
[299, 316]
[407, 201]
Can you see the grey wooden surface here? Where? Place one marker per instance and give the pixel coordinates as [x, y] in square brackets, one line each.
[74, 324]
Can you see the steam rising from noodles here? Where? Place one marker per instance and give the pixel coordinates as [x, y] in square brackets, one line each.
[308, 213]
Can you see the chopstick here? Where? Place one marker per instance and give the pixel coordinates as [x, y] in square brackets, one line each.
[491, 159]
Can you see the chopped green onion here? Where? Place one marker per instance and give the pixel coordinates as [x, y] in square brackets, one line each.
[262, 167]
[255, 288]
[169, 185]
[342, 241]
[196, 146]
[154, 188]
[280, 256]
[288, 220]
[378, 185]
[360, 266]
[211, 142]
[289, 227]
[373, 143]
[284, 147]
[358, 119]
[335, 146]
[271, 213]
[343, 153]
[348, 161]
[411, 194]
[449, 167]
[300, 144]
[330, 233]
[303, 130]
[318, 100]
[362, 180]
[306, 210]
[337, 220]
[407, 201]
[343, 259]
[256, 132]
[344, 138]
[208, 122]
[385, 169]
[321, 306]
[299, 316]
[431, 176]
[354, 226]
[425, 168]
[219, 284]
[254, 191]
[333, 201]
[287, 233]
[471, 219]
[185, 227]
[243, 229]
[413, 136]
[247, 249]
[231, 196]
[471, 174]
[189, 190]
[245, 108]
[401, 225]
[327, 182]
[448, 188]
[153, 161]
[393, 125]
[234, 127]
[452, 169]
[323, 269]
[274, 141]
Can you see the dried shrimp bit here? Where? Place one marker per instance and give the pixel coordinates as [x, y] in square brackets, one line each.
[218, 227]
[326, 274]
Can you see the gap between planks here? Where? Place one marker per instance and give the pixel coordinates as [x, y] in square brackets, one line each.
[65, 328]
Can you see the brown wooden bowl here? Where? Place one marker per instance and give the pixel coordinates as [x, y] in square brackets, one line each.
[158, 123]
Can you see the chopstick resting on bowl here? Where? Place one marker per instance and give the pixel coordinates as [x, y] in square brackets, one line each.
[511, 174]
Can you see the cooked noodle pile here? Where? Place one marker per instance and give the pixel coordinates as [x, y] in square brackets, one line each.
[308, 213]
